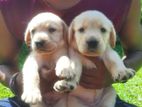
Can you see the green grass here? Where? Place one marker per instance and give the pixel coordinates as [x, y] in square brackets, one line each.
[5, 92]
[131, 91]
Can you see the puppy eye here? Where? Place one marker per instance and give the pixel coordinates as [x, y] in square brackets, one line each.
[81, 30]
[51, 30]
[103, 30]
[33, 31]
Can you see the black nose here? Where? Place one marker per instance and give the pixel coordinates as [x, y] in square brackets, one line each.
[39, 44]
[92, 44]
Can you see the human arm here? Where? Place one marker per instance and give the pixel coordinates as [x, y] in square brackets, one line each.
[131, 36]
[8, 53]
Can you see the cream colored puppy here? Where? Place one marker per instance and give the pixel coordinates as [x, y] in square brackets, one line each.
[92, 34]
[46, 36]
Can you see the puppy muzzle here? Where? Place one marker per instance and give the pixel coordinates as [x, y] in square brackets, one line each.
[39, 44]
[92, 45]
[44, 46]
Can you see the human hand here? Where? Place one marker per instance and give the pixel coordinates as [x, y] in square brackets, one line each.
[2, 76]
[98, 77]
[5, 74]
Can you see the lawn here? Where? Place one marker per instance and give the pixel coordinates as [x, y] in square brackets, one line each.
[130, 91]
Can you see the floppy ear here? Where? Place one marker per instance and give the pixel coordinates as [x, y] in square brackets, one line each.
[27, 37]
[71, 33]
[65, 31]
[113, 37]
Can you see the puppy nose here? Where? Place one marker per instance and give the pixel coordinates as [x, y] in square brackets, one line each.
[39, 44]
[92, 44]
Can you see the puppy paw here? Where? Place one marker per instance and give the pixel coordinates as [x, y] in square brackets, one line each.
[31, 97]
[66, 73]
[64, 86]
[123, 75]
[63, 68]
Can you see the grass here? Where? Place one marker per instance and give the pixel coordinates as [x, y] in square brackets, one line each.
[131, 91]
[5, 92]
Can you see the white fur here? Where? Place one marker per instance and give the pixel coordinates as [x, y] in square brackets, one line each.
[52, 30]
[95, 26]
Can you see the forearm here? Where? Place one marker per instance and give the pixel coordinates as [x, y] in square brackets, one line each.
[12, 78]
[6, 71]
[134, 60]
[131, 36]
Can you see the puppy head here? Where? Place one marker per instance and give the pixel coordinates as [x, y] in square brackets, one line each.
[91, 33]
[45, 33]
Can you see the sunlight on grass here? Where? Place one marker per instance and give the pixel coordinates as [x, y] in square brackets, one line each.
[5, 92]
[131, 91]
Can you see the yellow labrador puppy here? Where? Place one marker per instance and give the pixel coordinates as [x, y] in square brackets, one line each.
[46, 36]
[92, 34]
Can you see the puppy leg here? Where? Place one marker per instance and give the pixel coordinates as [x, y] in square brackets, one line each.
[68, 84]
[63, 68]
[116, 66]
[41, 104]
[65, 85]
[71, 74]
[108, 99]
[31, 91]
[76, 65]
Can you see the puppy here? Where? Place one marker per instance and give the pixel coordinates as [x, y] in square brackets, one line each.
[46, 36]
[92, 34]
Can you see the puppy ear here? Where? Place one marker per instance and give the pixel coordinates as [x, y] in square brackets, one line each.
[113, 37]
[65, 31]
[71, 33]
[27, 37]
